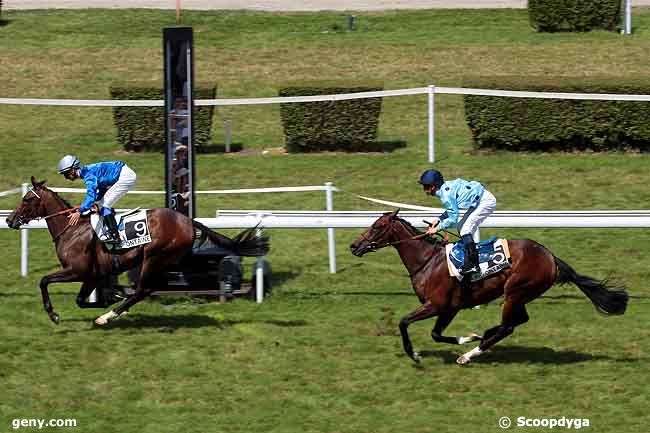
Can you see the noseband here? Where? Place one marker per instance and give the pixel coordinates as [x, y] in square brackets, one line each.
[373, 245]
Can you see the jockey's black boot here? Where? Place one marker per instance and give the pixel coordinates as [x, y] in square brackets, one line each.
[470, 262]
[113, 232]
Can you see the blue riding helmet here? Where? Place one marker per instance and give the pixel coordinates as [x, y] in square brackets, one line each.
[432, 177]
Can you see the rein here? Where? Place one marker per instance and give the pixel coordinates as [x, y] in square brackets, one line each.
[63, 212]
[374, 246]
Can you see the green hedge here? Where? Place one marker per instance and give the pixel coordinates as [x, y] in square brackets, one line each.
[142, 129]
[349, 126]
[574, 15]
[558, 124]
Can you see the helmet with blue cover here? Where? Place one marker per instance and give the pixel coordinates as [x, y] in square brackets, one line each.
[67, 163]
[432, 177]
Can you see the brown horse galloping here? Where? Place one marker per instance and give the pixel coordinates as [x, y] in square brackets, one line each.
[85, 258]
[534, 270]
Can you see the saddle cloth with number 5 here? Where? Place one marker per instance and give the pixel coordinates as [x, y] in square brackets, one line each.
[493, 256]
[132, 225]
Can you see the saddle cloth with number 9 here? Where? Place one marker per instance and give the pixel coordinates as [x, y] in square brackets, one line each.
[132, 225]
[493, 256]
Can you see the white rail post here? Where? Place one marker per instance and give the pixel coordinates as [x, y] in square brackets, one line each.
[226, 125]
[628, 17]
[432, 140]
[331, 242]
[259, 271]
[24, 242]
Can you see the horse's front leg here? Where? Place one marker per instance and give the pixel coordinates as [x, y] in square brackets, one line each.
[425, 311]
[441, 324]
[64, 275]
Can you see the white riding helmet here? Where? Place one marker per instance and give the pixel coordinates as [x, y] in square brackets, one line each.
[67, 163]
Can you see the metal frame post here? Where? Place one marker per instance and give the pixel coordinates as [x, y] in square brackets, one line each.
[24, 243]
[331, 241]
[627, 28]
[259, 271]
[432, 140]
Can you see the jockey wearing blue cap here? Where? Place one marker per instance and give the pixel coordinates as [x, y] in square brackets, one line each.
[455, 195]
[106, 182]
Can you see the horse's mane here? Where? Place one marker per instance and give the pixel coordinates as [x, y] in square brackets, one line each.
[65, 202]
[410, 226]
[414, 232]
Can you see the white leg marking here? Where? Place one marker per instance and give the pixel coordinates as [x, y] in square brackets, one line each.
[471, 337]
[467, 357]
[104, 318]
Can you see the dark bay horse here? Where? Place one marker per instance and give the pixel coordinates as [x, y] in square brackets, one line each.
[84, 257]
[534, 270]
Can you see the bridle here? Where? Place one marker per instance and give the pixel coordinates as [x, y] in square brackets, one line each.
[374, 246]
[21, 219]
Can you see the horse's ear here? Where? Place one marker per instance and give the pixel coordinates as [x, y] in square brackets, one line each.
[37, 184]
[394, 213]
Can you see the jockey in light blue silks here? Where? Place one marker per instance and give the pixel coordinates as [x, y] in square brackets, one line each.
[455, 195]
[106, 182]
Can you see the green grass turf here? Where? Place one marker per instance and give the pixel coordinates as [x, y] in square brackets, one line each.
[322, 354]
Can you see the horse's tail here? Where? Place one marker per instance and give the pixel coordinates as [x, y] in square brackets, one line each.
[607, 299]
[246, 243]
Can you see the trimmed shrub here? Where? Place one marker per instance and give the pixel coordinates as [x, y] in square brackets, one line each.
[558, 124]
[349, 126]
[574, 15]
[142, 129]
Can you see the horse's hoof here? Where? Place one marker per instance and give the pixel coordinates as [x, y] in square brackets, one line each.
[476, 337]
[463, 360]
[416, 357]
[105, 318]
[55, 318]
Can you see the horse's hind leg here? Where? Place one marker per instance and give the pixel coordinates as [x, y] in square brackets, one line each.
[512, 315]
[139, 295]
[150, 266]
[441, 324]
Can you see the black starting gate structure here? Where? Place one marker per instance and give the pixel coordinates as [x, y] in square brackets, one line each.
[209, 270]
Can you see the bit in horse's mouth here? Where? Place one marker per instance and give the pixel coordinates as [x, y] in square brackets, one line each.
[358, 251]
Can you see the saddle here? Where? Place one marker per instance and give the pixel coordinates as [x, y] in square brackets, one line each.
[493, 257]
[132, 226]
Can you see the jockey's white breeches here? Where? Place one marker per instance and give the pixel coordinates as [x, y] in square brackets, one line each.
[124, 183]
[483, 209]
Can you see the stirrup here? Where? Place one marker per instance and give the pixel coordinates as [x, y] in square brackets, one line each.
[468, 271]
[113, 240]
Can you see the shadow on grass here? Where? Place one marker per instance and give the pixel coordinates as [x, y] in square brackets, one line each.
[524, 355]
[171, 323]
[4, 22]
[301, 294]
[219, 148]
[278, 278]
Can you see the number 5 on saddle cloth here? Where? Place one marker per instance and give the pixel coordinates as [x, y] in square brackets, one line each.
[132, 226]
[493, 256]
